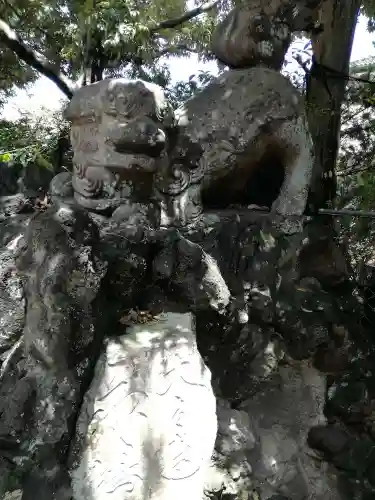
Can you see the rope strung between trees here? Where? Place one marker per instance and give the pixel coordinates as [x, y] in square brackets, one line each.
[344, 212]
[324, 212]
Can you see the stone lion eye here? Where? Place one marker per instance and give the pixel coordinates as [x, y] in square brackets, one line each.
[111, 98]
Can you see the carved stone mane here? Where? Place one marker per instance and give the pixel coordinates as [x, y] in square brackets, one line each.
[118, 135]
[236, 121]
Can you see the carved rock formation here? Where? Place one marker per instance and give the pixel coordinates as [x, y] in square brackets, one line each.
[223, 145]
[262, 392]
[119, 334]
[49, 352]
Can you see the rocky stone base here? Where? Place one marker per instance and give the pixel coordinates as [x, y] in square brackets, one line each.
[291, 370]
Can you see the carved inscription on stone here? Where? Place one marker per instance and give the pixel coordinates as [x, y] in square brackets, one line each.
[148, 422]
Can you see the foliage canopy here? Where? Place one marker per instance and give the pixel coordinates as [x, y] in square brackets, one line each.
[84, 40]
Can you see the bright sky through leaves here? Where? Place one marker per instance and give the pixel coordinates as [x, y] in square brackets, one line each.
[45, 94]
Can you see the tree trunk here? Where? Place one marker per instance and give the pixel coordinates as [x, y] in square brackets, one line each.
[98, 61]
[325, 93]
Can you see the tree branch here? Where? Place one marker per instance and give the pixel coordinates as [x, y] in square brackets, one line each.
[15, 11]
[37, 61]
[190, 14]
[175, 50]
[355, 170]
[355, 128]
[346, 120]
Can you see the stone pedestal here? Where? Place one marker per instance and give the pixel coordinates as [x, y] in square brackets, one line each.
[147, 426]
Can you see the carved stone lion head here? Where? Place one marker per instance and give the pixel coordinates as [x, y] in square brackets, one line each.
[119, 133]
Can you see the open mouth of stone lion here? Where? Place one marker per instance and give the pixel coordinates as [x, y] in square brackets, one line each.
[134, 162]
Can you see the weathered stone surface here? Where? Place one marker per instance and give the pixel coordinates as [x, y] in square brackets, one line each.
[230, 472]
[12, 205]
[60, 263]
[243, 121]
[269, 316]
[283, 465]
[258, 32]
[119, 139]
[148, 422]
[12, 299]
[45, 374]
[61, 188]
[261, 447]
[15, 495]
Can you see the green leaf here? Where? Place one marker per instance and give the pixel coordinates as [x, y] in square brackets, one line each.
[5, 157]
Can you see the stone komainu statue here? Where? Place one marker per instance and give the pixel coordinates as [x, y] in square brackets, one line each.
[123, 405]
[242, 139]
